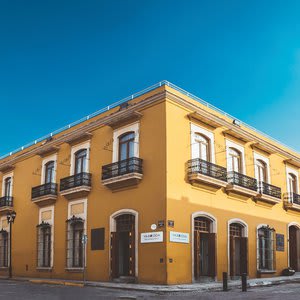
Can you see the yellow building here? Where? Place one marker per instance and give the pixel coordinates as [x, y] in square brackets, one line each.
[166, 188]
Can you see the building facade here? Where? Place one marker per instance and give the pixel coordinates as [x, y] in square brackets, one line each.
[163, 187]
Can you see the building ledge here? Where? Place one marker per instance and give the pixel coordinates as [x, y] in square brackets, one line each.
[266, 271]
[291, 206]
[44, 269]
[74, 270]
[76, 192]
[233, 188]
[122, 181]
[6, 209]
[44, 200]
[200, 178]
[267, 198]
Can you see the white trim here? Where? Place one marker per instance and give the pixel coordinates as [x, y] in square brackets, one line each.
[266, 160]
[241, 149]
[86, 145]
[213, 229]
[296, 224]
[82, 215]
[244, 233]
[7, 228]
[44, 162]
[112, 228]
[133, 127]
[11, 174]
[51, 222]
[197, 129]
[290, 170]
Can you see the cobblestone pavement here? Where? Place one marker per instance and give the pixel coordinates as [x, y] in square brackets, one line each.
[26, 290]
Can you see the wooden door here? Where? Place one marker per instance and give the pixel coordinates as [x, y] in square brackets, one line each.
[293, 248]
[131, 253]
[114, 255]
[196, 254]
[232, 256]
[212, 254]
[244, 255]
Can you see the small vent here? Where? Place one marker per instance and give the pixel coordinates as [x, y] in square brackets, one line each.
[124, 105]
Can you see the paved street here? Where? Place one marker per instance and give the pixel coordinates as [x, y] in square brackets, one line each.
[26, 290]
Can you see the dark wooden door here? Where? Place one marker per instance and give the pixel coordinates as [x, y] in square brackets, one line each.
[114, 255]
[244, 255]
[196, 254]
[131, 253]
[211, 254]
[293, 248]
[232, 256]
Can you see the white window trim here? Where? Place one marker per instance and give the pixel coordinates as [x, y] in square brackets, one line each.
[83, 216]
[241, 149]
[86, 145]
[12, 183]
[133, 127]
[266, 160]
[44, 162]
[51, 222]
[197, 129]
[294, 172]
[7, 228]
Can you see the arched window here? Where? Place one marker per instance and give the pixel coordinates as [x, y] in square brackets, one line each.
[7, 187]
[126, 145]
[235, 160]
[262, 175]
[49, 172]
[80, 161]
[266, 248]
[292, 183]
[203, 145]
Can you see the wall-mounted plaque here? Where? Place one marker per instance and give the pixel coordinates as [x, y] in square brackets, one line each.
[279, 242]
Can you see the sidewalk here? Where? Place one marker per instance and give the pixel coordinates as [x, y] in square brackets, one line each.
[211, 286]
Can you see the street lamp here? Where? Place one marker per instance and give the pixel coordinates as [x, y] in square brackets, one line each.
[10, 219]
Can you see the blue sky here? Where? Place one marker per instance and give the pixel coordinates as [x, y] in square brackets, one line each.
[61, 60]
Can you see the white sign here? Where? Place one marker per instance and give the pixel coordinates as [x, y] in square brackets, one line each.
[152, 237]
[179, 237]
[153, 226]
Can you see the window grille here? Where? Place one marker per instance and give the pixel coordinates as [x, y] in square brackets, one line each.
[266, 248]
[4, 242]
[125, 223]
[236, 230]
[75, 231]
[202, 224]
[44, 245]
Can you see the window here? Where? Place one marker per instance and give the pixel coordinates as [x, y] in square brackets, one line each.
[74, 242]
[266, 253]
[126, 146]
[292, 183]
[3, 248]
[262, 171]
[235, 160]
[44, 245]
[7, 187]
[202, 224]
[49, 172]
[203, 145]
[80, 161]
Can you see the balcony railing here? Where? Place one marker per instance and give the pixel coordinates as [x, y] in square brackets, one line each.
[242, 180]
[44, 190]
[200, 166]
[77, 180]
[270, 190]
[292, 198]
[6, 201]
[123, 167]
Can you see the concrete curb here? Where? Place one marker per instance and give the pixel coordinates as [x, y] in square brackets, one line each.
[56, 282]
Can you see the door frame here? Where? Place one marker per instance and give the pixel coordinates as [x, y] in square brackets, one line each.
[113, 227]
[245, 234]
[288, 239]
[213, 229]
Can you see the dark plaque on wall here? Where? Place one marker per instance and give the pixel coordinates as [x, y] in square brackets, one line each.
[97, 239]
[170, 223]
[279, 242]
[161, 223]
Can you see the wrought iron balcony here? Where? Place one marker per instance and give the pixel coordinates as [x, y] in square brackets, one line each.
[6, 203]
[76, 184]
[270, 190]
[202, 171]
[44, 192]
[292, 201]
[242, 180]
[122, 173]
